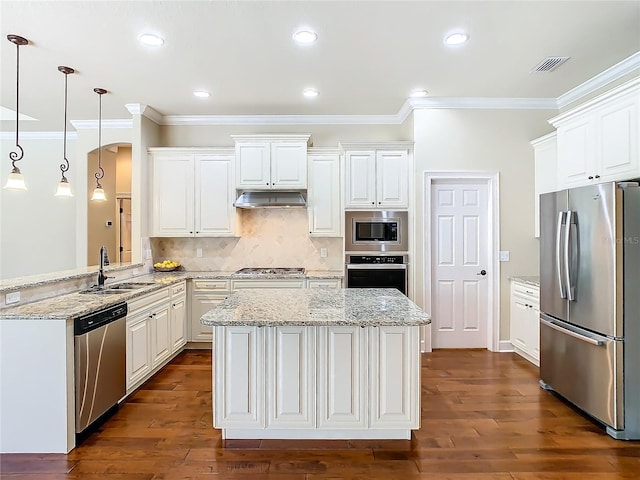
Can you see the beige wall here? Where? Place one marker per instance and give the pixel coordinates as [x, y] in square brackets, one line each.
[321, 135]
[123, 170]
[37, 229]
[275, 237]
[483, 140]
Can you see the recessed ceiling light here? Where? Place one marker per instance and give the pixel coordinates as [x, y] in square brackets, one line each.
[419, 93]
[310, 92]
[201, 94]
[305, 37]
[150, 39]
[457, 38]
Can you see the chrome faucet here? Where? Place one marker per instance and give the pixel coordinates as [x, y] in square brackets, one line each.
[101, 276]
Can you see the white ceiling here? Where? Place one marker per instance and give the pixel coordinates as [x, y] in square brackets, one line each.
[369, 56]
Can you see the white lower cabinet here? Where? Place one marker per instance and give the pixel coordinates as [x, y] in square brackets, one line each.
[155, 332]
[178, 328]
[316, 382]
[524, 321]
[342, 377]
[205, 295]
[138, 349]
[160, 334]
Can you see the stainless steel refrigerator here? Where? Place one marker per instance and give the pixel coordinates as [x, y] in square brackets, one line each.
[590, 302]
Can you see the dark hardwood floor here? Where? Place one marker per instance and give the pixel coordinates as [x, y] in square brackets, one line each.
[483, 417]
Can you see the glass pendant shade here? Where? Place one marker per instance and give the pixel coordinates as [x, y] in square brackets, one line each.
[15, 181]
[98, 194]
[64, 189]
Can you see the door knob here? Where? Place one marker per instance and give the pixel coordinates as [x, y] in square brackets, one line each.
[482, 272]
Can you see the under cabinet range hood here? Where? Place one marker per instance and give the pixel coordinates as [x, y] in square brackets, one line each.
[270, 199]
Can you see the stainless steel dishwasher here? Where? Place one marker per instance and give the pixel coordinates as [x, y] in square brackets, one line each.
[100, 364]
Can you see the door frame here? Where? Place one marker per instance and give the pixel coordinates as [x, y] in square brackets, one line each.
[491, 179]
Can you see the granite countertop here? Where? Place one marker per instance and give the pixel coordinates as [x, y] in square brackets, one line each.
[528, 279]
[317, 307]
[72, 305]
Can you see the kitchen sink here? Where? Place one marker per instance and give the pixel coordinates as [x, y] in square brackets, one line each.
[116, 288]
[130, 285]
[105, 291]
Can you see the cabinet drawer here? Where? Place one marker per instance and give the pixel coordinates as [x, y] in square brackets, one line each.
[326, 283]
[138, 304]
[241, 284]
[526, 290]
[180, 288]
[211, 284]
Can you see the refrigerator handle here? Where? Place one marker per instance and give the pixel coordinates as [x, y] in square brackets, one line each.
[558, 254]
[584, 338]
[567, 270]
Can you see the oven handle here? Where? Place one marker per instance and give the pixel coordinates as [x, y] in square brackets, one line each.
[376, 266]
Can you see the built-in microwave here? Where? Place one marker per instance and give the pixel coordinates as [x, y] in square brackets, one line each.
[376, 230]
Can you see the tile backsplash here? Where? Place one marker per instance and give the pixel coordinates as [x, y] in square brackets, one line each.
[274, 237]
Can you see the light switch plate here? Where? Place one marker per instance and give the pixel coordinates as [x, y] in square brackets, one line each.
[12, 298]
[504, 255]
[323, 252]
[199, 252]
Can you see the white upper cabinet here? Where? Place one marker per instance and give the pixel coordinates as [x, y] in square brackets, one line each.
[546, 168]
[172, 193]
[598, 141]
[271, 161]
[376, 178]
[192, 194]
[324, 195]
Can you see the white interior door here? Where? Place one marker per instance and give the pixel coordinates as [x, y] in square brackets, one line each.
[459, 266]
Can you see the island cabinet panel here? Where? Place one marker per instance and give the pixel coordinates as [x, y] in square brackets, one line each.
[290, 371]
[240, 403]
[394, 395]
[342, 377]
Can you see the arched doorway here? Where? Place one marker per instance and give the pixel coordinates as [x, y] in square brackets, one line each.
[109, 221]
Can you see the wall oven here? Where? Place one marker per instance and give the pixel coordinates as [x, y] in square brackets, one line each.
[380, 231]
[377, 271]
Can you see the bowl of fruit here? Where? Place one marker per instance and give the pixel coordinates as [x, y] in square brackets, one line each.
[166, 266]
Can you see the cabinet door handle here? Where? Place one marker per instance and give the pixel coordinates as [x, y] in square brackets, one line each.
[597, 176]
[267, 183]
[590, 177]
[373, 203]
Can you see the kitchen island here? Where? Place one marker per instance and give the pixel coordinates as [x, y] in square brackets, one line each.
[316, 364]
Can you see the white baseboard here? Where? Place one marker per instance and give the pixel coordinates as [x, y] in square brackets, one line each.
[505, 346]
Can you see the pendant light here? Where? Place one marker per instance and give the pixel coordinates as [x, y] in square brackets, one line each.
[98, 192]
[64, 189]
[16, 180]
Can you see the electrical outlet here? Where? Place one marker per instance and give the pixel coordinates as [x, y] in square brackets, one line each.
[323, 252]
[199, 252]
[504, 255]
[148, 253]
[12, 298]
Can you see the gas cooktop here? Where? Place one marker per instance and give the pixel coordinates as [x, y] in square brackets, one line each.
[270, 271]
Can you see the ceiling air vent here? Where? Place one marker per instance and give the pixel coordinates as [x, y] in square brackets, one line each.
[549, 64]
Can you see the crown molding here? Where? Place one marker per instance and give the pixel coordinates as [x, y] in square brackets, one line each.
[93, 124]
[146, 111]
[626, 66]
[38, 136]
[489, 103]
